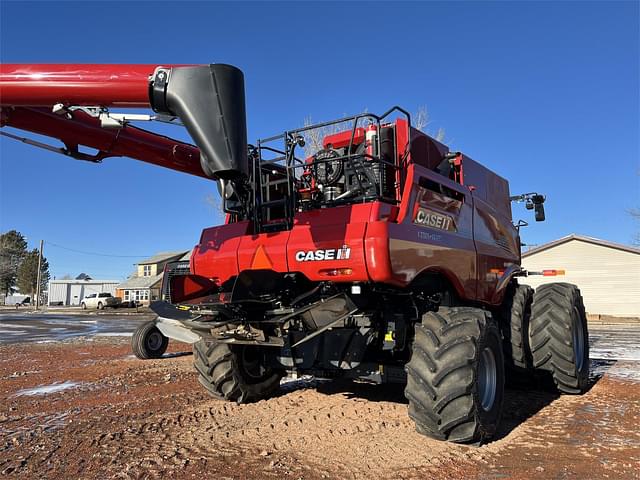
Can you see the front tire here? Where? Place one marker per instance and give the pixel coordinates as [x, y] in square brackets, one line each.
[559, 336]
[455, 378]
[148, 342]
[100, 306]
[234, 372]
[84, 306]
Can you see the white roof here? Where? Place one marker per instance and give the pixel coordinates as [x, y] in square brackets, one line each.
[581, 238]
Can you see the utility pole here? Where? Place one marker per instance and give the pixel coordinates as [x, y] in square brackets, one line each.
[39, 275]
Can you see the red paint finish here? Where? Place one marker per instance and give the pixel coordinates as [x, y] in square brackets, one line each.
[216, 257]
[343, 139]
[43, 85]
[187, 287]
[226, 250]
[384, 242]
[255, 251]
[319, 231]
[416, 249]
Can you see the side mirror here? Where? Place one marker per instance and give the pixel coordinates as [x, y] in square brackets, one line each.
[538, 205]
[533, 201]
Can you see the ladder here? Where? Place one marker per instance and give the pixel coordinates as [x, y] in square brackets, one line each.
[273, 192]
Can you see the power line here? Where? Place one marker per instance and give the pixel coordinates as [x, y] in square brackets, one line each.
[94, 253]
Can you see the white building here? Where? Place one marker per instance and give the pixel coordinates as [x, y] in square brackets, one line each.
[607, 273]
[70, 292]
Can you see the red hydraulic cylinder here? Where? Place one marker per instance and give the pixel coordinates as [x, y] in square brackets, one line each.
[130, 141]
[44, 85]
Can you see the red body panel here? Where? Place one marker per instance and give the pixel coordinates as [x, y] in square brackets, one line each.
[216, 256]
[343, 139]
[385, 243]
[331, 230]
[226, 250]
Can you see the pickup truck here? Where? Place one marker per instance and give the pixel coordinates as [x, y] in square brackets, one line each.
[99, 301]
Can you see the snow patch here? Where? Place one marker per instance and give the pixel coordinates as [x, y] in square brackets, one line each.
[615, 353]
[625, 371]
[12, 332]
[46, 389]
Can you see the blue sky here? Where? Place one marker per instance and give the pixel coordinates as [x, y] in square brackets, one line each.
[544, 93]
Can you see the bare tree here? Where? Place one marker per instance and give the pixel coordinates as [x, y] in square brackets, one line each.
[421, 118]
[313, 138]
[635, 214]
[421, 122]
[215, 202]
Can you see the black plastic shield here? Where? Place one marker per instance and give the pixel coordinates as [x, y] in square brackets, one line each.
[210, 102]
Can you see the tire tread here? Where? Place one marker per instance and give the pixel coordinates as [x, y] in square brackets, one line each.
[440, 384]
[551, 337]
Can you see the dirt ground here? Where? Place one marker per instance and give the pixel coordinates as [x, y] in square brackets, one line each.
[86, 408]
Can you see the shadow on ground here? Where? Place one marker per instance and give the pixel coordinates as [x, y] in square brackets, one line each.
[523, 398]
[176, 354]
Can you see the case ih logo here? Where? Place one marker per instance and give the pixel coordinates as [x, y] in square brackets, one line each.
[428, 218]
[327, 254]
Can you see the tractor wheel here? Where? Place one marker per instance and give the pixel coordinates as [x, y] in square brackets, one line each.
[234, 372]
[515, 315]
[455, 378]
[559, 337]
[148, 342]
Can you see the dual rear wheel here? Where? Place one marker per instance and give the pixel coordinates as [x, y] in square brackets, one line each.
[456, 375]
[558, 336]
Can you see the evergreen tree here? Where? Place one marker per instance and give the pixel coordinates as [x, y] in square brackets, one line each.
[28, 274]
[13, 248]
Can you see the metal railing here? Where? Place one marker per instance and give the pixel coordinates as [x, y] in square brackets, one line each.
[274, 163]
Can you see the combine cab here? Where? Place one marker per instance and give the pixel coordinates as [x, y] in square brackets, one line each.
[380, 255]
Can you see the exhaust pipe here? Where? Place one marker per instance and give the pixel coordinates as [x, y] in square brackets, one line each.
[210, 102]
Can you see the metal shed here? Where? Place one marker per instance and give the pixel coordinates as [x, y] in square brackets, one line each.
[607, 273]
[70, 292]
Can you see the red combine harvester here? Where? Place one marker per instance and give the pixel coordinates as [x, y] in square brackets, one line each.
[382, 256]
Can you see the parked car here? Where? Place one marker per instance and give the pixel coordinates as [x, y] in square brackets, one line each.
[17, 300]
[24, 302]
[99, 301]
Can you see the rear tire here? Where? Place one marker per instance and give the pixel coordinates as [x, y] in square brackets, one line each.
[559, 336]
[84, 306]
[234, 372]
[455, 378]
[515, 318]
[100, 306]
[148, 342]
